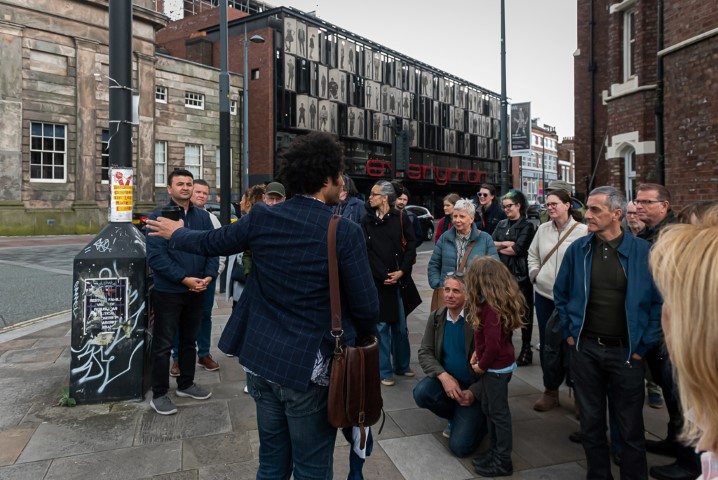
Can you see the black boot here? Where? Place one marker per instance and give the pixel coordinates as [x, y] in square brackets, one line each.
[526, 356]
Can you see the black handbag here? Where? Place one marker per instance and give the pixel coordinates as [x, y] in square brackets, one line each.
[410, 296]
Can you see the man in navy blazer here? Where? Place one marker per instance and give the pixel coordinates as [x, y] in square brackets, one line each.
[280, 328]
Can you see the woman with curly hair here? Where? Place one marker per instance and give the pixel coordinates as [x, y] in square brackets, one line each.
[496, 307]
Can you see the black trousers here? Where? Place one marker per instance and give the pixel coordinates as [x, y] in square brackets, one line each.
[174, 312]
[602, 373]
[495, 405]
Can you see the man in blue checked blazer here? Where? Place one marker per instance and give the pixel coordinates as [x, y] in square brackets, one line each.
[280, 328]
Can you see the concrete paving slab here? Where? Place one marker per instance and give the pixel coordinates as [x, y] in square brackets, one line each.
[390, 430]
[192, 420]
[119, 464]
[399, 396]
[215, 450]
[231, 471]
[532, 437]
[12, 443]
[93, 434]
[25, 471]
[12, 414]
[417, 421]
[422, 457]
[183, 475]
[36, 355]
[243, 413]
[566, 471]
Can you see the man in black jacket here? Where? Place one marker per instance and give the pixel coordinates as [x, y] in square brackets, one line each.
[180, 281]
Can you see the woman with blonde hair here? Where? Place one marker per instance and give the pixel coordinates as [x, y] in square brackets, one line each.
[496, 308]
[684, 262]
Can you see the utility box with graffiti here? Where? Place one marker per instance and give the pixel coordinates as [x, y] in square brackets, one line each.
[110, 338]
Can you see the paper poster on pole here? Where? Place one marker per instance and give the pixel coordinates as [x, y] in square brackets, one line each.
[121, 181]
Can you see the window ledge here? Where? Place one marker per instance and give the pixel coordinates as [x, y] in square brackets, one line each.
[619, 90]
[622, 6]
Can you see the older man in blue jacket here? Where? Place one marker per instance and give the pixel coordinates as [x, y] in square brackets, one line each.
[280, 328]
[610, 313]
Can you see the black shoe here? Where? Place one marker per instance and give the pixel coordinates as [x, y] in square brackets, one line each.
[576, 437]
[662, 447]
[674, 471]
[525, 357]
[495, 468]
[483, 459]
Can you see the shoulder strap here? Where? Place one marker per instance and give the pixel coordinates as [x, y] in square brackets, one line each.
[466, 256]
[555, 247]
[334, 278]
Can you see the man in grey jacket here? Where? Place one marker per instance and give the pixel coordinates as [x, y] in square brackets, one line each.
[451, 388]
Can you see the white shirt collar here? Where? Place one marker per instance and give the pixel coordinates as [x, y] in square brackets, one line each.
[452, 320]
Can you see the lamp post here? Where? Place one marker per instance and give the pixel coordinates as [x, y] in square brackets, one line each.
[543, 167]
[245, 111]
[504, 142]
[225, 162]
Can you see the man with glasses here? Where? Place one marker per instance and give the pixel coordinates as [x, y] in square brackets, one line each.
[653, 205]
[451, 388]
[274, 194]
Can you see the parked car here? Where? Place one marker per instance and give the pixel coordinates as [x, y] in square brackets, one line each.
[426, 219]
[214, 208]
[534, 211]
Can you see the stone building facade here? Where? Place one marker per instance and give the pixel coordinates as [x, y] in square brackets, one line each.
[54, 94]
[646, 108]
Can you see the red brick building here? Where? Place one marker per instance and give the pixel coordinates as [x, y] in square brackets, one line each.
[646, 96]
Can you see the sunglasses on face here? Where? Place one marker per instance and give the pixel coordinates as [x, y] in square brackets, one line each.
[483, 195]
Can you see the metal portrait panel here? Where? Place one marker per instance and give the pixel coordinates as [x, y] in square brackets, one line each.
[459, 119]
[323, 81]
[347, 56]
[372, 93]
[290, 36]
[411, 75]
[337, 85]
[385, 98]
[290, 67]
[414, 133]
[312, 111]
[427, 84]
[436, 116]
[302, 111]
[325, 107]
[355, 122]
[467, 144]
[398, 74]
[377, 68]
[313, 44]
[368, 63]
[406, 105]
[460, 96]
[302, 40]
[520, 129]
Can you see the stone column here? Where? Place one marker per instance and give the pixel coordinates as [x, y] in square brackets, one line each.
[11, 115]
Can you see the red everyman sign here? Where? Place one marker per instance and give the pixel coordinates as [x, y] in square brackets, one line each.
[440, 175]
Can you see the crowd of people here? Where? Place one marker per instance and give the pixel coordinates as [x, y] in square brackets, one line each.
[587, 272]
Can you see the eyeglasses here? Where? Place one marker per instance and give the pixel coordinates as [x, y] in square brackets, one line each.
[631, 213]
[508, 206]
[455, 274]
[372, 194]
[483, 194]
[646, 202]
[552, 205]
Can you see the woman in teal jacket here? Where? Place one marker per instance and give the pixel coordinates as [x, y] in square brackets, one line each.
[446, 258]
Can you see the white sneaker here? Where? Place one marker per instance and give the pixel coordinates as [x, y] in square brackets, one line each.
[246, 390]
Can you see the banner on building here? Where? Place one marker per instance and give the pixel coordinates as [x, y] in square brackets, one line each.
[520, 129]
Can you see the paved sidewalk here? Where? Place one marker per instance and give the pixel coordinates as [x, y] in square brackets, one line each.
[217, 438]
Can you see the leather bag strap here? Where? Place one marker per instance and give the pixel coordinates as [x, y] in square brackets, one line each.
[334, 279]
[466, 256]
[558, 244]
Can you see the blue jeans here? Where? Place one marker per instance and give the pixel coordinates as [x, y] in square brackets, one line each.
[468, 424]
[294, 434]
[356, 463]
[599, 373]
[205, 328]
[394, 341]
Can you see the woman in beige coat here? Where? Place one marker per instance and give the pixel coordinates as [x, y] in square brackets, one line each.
[545, 256]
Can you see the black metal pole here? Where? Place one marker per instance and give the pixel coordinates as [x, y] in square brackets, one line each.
[504, 142]
[120, 37]
[660, 146]
[225, 162]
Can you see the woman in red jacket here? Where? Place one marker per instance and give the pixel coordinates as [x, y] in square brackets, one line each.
[445, 223]
[495, 308]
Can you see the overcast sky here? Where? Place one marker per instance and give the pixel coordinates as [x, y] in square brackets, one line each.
[463, 37]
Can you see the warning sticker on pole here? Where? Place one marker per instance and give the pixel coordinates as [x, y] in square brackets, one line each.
[121, 194]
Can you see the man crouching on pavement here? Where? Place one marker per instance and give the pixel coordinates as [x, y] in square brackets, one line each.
[451, 388]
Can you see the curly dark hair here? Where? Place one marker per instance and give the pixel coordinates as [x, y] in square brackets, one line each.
[308, 161]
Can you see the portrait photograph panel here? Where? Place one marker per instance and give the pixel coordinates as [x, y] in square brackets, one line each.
[301, 40]
[323, 82]
[313, 44]
[427, 84]
[414, 133]
[289, 72]
[325, 107]
[406, 104]
[303, 102]
[377, 68]
[355, 120]
[290, 36]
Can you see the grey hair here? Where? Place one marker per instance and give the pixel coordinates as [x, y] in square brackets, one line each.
[615, 199]
[386, 188]
[466, 205]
